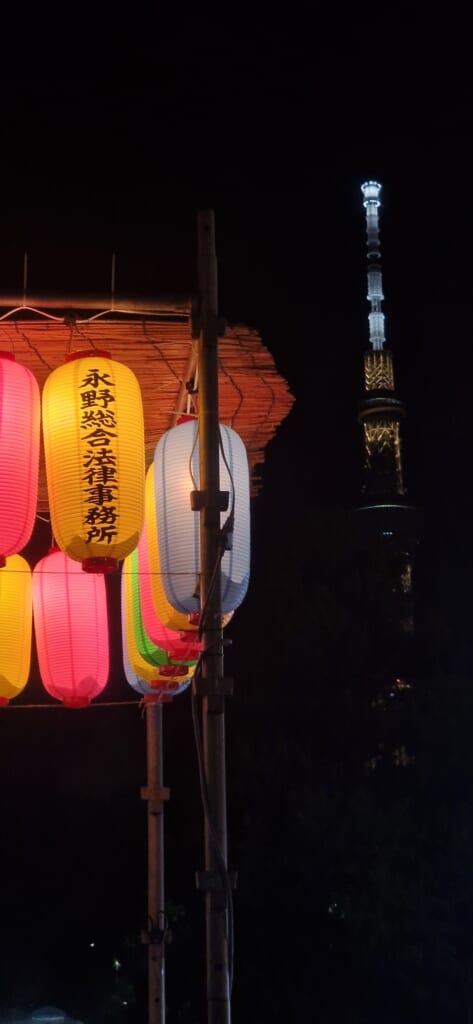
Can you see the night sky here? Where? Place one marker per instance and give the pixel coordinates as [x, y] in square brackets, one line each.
[274, 128]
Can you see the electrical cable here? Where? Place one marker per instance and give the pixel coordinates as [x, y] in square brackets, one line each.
[224, 544]
[214, 841]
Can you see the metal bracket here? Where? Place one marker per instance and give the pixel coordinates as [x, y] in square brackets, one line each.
[219, 686]
[202, 499]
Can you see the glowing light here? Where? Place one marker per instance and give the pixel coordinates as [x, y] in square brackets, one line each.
[176, 474]
[71, 629]
[95, 459]
[19, 454]
[16, 617]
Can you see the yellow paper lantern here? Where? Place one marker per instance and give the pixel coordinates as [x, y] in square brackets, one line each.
[16, 620]
[93, 429]
[163, 609]
[165, 677]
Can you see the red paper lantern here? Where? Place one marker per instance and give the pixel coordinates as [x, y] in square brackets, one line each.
[19, 454]
[71, 629]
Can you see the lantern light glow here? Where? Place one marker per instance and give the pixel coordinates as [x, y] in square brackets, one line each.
[16, 618]
[71, 629]
[19, 454]
[93, 430]
[176, 471]
[158, 677]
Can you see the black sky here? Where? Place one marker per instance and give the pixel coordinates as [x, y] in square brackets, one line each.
[274, 126]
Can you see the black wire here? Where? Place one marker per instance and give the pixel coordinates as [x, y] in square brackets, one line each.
[232, 510]
[222, 867]
[196, 435]
[225, 530]
[212, 582]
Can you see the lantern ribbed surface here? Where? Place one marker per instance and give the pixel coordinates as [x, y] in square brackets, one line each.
[165, 692]
[94, 449]
[178, 527]
[16, 616]
[150, 651]
[19, 454]
[71, 629]
[156, 676]
[163, 609]
[182, 645]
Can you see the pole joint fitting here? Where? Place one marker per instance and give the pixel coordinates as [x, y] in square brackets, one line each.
[216, 501]
[212, 686]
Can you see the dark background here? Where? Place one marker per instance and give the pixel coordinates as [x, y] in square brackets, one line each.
[112, 140]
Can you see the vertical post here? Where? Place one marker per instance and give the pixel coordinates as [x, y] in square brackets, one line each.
[211, 685]
[155, 793]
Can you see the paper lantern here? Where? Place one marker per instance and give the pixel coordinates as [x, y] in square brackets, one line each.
[163, 609]
[178, 527]
[95, 459]
[19, 454]
[162, 692]
[16, 617]
[71, 629]
[183, 644]
[149, 651]
[164, 677]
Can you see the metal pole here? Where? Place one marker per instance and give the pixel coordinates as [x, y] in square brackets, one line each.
[211, 685]
[155, 794]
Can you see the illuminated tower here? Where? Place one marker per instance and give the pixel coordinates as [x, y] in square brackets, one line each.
[380, 413]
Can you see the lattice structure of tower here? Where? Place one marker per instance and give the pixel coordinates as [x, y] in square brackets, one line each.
[381, 411]
[384, 501]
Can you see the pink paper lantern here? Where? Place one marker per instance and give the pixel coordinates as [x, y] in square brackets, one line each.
[71, 629]
[20, 423]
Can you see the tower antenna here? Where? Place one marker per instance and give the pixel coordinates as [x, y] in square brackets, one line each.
[384, 503]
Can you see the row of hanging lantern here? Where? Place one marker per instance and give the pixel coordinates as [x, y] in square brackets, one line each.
[105, 509]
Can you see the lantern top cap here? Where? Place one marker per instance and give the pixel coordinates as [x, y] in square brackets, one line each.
[185, 418]
[88, 353]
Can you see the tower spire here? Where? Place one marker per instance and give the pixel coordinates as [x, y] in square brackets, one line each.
[371, 202]
[380, 411]
[384, 505]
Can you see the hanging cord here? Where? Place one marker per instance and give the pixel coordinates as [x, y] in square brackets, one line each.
[214, 841]
[225, 539]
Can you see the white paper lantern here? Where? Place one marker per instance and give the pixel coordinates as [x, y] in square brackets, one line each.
[178, 526]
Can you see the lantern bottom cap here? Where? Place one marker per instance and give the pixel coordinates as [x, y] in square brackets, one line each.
[3, 561]
[100, 564]
[3, 702]
[76, 702]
